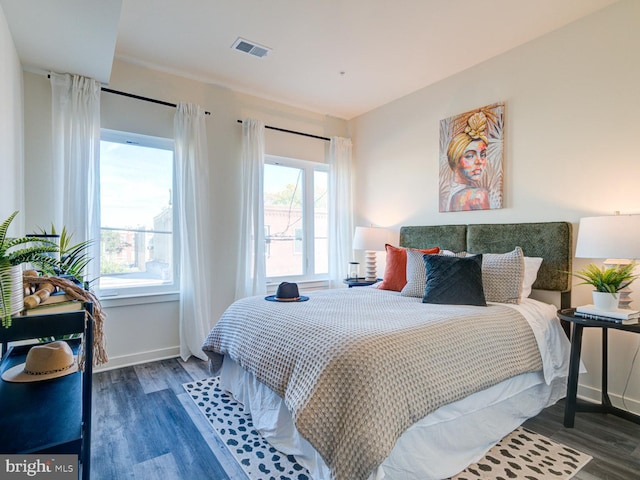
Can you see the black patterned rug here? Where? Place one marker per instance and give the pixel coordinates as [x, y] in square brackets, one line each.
[522, 454]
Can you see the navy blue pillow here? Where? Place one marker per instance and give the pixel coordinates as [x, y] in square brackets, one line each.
[453, 280]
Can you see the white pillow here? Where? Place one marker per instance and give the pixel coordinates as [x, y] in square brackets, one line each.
[531, 267]
[449, 253]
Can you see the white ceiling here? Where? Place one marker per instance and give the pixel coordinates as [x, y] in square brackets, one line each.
[75, 36]
[386, 49]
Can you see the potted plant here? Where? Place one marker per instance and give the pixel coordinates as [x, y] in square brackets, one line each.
[73, 258]
[13, 253]
[607, 282]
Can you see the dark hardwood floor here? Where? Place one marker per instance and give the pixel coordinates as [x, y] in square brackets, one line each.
[145, 426]
[614, 443]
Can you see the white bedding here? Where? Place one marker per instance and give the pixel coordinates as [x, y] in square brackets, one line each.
[447, 440]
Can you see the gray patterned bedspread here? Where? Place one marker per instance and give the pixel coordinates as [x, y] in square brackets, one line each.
[356, 367]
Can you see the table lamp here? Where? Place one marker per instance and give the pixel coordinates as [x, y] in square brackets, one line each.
[614, 238]
[371, 240]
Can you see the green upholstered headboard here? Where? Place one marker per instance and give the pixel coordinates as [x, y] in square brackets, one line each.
[550, 240]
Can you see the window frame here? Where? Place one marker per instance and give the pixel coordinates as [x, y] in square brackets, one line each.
[308, 244]
[162, 143]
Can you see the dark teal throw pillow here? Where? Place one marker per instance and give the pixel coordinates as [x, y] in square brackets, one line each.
[454, 281]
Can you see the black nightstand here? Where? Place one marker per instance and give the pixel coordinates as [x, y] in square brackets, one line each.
[50, 416]
[359, 282]
[572, 405]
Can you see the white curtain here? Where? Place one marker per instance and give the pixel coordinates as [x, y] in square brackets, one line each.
[251, 270]
[76, 151]
[340, 210]
[192, 174]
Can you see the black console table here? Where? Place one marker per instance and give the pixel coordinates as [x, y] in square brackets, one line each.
[572, 405]
[49, 416]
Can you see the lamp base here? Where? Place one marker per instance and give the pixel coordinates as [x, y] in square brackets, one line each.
[370, 266]
[624, 300]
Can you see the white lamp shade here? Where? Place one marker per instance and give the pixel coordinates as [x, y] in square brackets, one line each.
[370, 238]
[612, 236]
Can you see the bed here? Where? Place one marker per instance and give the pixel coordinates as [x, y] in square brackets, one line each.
[375, 384]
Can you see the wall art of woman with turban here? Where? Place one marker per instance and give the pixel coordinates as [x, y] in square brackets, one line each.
[471, 160]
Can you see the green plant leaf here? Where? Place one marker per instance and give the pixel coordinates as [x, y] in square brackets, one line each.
[73, 259]
[607, 279]
[4, 226]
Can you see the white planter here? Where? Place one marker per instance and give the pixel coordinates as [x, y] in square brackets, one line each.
[12, 277]
[605, 301]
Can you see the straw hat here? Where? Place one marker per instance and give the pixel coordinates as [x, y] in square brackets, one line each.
[44, 362]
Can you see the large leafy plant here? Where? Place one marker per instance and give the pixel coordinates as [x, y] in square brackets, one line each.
[609, 280]
[15, 252]
[73, 258]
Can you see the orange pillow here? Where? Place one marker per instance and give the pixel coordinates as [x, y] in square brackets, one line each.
[395, 272]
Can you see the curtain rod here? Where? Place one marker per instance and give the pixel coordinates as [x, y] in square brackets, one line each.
[138, 97]
[295, 133]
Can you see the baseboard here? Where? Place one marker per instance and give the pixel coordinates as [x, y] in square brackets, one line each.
[592, 394]
[138, 358]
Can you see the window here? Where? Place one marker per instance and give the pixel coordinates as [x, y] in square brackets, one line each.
[296, 219]
[137, 246]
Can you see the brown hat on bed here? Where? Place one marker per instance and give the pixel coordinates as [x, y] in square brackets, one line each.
[44, 362]
[287, 292]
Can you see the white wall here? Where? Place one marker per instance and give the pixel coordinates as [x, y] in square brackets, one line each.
[572, 123]
[11, 136]
[136, 332]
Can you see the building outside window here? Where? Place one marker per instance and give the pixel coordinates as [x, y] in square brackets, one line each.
[137, 220]
[296, 214]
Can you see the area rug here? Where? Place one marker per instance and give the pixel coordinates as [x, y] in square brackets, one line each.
[523, 454]
[258, 459]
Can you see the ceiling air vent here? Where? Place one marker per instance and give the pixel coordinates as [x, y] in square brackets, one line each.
[251, 48]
